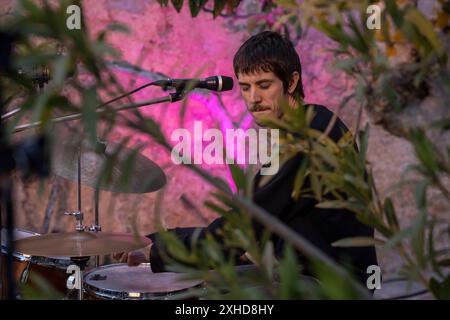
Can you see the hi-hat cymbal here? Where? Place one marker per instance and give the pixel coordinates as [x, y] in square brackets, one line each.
[130, 171]
[79, 244]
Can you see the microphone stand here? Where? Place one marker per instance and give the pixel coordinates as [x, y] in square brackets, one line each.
[17, 110]
[172, 97]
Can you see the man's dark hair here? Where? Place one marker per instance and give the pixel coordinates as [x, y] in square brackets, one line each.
[268, 51]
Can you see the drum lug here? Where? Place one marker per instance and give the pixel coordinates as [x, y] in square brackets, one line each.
[25, 273]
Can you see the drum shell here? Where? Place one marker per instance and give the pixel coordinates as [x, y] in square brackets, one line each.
[51, 270]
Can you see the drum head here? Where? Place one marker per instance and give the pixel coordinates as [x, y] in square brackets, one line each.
[127, 280]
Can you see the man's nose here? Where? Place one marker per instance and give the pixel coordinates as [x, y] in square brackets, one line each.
[255, 97]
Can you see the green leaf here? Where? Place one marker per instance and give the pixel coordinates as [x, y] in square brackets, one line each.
[421, 193]
[195, 6]
[391, 216]
[432, 254]
[300, 178]
[418, 237]
[326, 155]
[31, 8]
[395, 239]
[288, 270]
[315, 185]
[334, 285]
[347, 65]
[424, 151]
[118, 27]
[268, 259]
[218, 7]
[334, 204]
[127, 169]
[289, 4]
[357, 242]
[177, 4]
[442, 124]
[238, 176]
[441, 290]
[444, 263]
[364, 142]
[425, 27]
[163, 3]
[359, 42]
[89, 113]
[393, 10]
[216, 208]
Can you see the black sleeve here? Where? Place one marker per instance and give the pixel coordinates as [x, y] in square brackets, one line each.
[274, 197]
[185, 235]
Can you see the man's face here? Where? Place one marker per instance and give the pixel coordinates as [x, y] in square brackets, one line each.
[262, 93]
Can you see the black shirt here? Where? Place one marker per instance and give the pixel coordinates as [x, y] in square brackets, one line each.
[320, 226]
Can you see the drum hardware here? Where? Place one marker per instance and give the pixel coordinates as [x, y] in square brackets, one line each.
[96, 227]
[121, 282]
[88, 241]
[78, 215]
[25, 273]
[79, 218]
[79, 162]
[84, 242]
[172, 97]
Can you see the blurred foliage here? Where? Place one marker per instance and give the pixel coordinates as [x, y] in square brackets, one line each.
[384, 83]
[195, 6]
[251, 15]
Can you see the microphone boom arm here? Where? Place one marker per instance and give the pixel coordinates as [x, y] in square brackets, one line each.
[172, 97]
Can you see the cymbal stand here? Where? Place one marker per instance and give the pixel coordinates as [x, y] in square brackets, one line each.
[96, 227]
[79, 261]
[78, 214]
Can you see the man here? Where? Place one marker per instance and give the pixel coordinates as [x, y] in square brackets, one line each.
[268, 69]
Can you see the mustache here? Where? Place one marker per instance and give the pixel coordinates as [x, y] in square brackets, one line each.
[257, 107]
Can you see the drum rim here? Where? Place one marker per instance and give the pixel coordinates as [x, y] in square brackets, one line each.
[51, 262]
[113, 294]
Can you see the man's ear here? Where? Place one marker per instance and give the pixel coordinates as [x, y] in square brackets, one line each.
[293, 82]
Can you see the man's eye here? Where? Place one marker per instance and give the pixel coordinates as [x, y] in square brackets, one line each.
[265, 86]
[244, 88]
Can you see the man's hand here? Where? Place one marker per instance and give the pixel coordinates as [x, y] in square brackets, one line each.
[134, 258]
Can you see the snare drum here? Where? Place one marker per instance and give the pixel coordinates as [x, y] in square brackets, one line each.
[121, 282]
[51, 269]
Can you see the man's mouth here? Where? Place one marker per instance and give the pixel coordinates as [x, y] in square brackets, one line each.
[260, 109]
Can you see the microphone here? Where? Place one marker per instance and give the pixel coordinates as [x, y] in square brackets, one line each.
[215, 83]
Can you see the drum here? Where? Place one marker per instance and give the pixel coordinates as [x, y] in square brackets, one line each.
[32, 270]
[121, 282]
[401, 289]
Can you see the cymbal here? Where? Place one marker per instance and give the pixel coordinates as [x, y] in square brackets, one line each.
[130, 171]
[79, 244]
